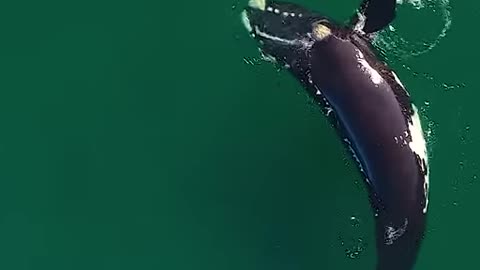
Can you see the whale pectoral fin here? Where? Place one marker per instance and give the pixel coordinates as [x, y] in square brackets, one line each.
[374, 15]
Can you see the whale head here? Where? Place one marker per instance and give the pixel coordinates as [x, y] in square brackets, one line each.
[284, 31]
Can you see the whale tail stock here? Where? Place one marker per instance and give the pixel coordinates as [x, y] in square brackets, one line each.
[399, 235]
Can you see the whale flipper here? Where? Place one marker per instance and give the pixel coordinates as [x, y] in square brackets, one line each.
[374, 15]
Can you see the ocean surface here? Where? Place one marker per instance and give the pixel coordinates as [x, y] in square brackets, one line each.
[151, 135]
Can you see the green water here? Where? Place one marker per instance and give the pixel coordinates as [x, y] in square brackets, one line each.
[148, 135]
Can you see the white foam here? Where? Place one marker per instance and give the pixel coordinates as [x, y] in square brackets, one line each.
[391, 39]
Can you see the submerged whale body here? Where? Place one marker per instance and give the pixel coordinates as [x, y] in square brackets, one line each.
[366, 102]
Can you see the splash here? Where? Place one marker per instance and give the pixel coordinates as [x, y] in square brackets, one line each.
[391, 40]
[418, 4]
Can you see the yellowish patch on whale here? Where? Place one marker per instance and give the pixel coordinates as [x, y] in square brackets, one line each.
[321, 31]
[258, 4]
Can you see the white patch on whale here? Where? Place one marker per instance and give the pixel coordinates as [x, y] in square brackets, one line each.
[419, 147]
[401, 140]
[392, 234]
[365, 66]
[246, 21]
[258, 4]
[360, 23]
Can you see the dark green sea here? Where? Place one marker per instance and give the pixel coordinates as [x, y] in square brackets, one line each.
[151, 135]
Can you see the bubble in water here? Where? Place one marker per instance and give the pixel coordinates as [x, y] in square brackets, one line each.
[447, 87]
[473, 179]
[354, 221]
[355, 249]
[235, 5]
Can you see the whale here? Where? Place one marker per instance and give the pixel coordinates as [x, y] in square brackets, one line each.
[366, 103]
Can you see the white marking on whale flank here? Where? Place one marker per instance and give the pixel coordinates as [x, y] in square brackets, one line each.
[398, 80]
[367, 68]
[355, 157]
[419, 147]
[392, 234]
